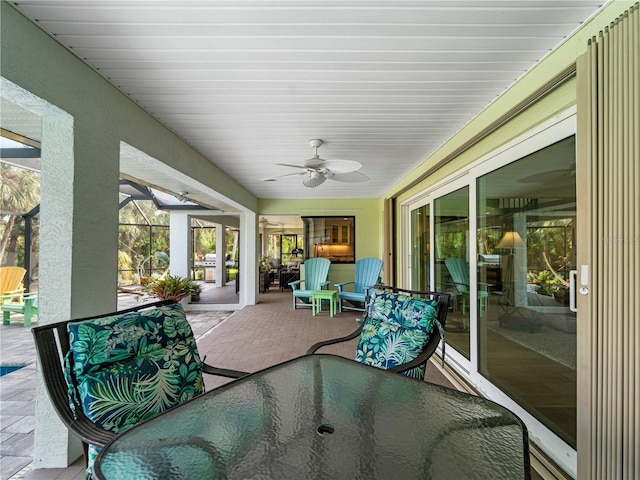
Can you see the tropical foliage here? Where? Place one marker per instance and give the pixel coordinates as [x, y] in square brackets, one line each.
[545, 281]
[170, 287]
[280, 245]
[143, 242]
[143, 237]
[550, 246]
[131, 367]
[396, 330]
[143, 232]
[19, 194]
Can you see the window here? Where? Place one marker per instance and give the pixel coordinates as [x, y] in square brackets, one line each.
[330, 237]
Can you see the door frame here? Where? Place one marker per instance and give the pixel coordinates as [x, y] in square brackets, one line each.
[556, 128]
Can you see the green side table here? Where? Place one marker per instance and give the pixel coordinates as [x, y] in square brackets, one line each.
[316, 301]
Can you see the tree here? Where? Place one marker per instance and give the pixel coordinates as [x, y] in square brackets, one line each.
[19, 193]
[143, 232]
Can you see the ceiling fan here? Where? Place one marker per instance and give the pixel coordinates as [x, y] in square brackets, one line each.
[264, 223]
[316, 170]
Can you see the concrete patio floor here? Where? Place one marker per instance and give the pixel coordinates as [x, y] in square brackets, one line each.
[250, 339]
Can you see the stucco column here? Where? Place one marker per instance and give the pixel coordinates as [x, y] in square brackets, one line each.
[79, 225]
[180, 243]
[221, 251]
[248, 258]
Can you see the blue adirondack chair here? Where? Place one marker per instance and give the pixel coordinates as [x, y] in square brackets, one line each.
[316, 271]
[459, 271]
[366, 276]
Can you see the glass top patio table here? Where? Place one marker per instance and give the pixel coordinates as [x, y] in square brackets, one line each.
[322, 416]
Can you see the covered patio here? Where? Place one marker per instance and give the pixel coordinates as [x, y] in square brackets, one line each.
[250, 339]
[470, 121]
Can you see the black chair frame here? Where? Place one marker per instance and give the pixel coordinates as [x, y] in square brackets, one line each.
[52, 345]
[429, 348]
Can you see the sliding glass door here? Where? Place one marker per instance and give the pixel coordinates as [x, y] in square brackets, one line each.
[500, 238]
[508, 278]
[451, 264]
[526, 248]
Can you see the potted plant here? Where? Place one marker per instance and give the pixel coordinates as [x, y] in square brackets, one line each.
[197, 290]
[171, 287]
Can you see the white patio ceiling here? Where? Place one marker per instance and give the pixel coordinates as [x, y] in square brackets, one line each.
[249, 82]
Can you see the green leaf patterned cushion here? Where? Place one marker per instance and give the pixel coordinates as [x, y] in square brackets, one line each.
[397, 328]
[127, 368]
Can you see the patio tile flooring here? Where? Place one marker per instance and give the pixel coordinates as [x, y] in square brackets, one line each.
[250, 339]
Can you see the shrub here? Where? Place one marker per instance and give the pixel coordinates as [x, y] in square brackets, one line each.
[171, 287]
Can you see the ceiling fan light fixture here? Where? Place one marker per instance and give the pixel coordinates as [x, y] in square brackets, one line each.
[313, 180]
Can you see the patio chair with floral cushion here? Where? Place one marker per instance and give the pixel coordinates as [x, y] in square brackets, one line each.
[400, 331]
[120, 369]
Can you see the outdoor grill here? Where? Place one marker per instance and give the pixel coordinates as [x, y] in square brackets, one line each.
[209, 264]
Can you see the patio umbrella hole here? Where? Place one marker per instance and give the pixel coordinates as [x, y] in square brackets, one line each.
[325, 429]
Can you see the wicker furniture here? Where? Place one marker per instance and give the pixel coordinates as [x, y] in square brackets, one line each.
[286, 277]
[265, 281]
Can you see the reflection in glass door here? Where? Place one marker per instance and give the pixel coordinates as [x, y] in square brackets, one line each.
[526, 249]
[420, 257]
[451, 232]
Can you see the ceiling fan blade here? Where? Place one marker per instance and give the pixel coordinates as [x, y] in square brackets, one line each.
[292, 166]
[554, 176]
[348, 177]
[275, 177]
[341, 166]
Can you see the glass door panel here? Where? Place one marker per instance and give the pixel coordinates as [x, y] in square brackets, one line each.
[526, 248]
[451, 232]
[290, 248]
[420, 244]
